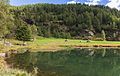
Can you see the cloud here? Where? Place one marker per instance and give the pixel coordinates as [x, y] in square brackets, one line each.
[92, 2]
[73, 2]
[109, 3]
[114, 4]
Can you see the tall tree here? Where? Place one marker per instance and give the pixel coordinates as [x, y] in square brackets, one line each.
[103, 35]
[6, 19]
[33, 31]
[23, 33]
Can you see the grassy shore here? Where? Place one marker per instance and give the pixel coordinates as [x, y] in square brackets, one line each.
[6, 71]
[53, 44]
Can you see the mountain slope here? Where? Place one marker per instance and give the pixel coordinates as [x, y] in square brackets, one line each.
[66, 21]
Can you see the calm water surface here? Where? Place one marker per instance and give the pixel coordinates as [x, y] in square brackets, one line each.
[75, 62]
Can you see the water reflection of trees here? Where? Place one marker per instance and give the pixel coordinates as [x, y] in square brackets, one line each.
[75, 62]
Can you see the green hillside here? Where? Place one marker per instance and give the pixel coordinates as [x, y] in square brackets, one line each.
[71, 21]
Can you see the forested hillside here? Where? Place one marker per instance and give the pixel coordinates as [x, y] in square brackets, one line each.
[60, 21]
[71, 21]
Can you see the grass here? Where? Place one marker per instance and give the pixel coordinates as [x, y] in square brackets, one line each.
[13, 72]
[5, 71]
[53, 44]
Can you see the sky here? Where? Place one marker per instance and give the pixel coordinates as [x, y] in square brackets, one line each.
[23, 2]
[110, 3]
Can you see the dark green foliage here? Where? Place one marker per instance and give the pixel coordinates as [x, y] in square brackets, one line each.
[66, 21]
[23, 33]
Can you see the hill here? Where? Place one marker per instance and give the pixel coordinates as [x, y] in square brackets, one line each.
[71, 21]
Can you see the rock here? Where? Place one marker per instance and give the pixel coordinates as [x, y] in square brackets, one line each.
[8, 44]
[2, 54]
[24, 44]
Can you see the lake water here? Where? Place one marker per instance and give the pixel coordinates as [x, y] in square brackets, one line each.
[75, 62]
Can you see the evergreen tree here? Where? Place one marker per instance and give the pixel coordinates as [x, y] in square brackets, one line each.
[23, 33]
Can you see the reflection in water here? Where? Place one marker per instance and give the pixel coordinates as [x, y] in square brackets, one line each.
[75, 62]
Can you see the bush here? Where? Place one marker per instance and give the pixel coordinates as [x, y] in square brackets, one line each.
[23, 33]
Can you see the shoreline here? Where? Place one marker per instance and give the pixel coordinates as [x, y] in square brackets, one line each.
[94, 45]
[55, 44]
[65, 47]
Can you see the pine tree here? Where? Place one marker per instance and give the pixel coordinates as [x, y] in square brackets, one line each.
[23, 33]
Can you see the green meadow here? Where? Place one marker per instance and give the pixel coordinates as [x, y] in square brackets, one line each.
[54, 44]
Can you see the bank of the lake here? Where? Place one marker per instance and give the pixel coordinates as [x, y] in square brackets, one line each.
[5, 70]
[54, 44]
